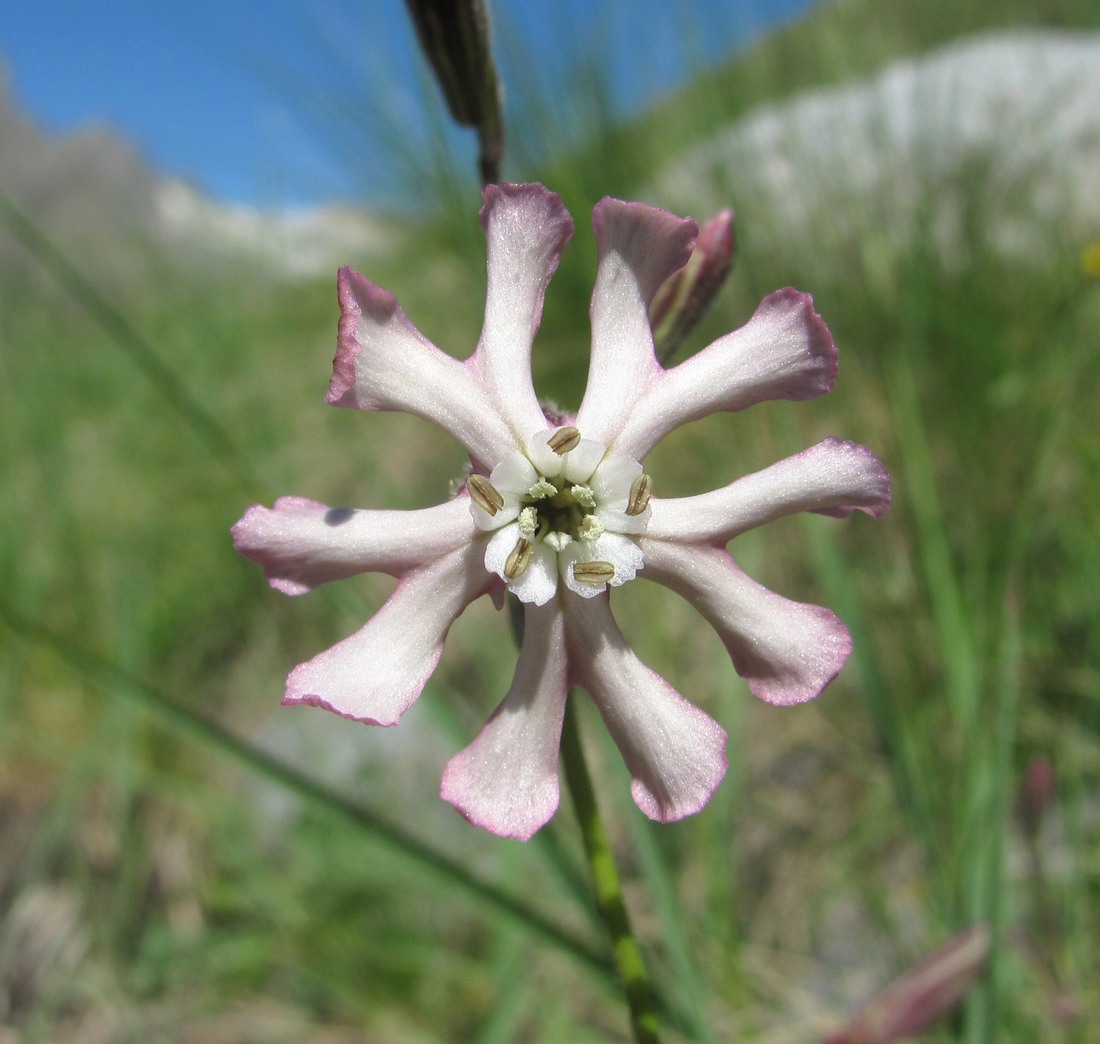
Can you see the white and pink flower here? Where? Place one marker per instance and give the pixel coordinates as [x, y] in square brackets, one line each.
[559, 511]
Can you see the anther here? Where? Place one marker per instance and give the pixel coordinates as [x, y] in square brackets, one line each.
[564, 439]
[593, 572]
[640, 490]
[519, 559]
[484, 494]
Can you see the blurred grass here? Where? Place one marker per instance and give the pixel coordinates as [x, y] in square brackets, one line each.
[153, 889]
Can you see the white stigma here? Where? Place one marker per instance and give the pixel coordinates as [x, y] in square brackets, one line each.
[557, 541]
[528, 522]
[591, 528]
[585, 496]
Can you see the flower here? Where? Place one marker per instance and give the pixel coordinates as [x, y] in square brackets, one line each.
[557, 511]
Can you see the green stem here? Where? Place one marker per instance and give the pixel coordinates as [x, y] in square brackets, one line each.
[609, 892]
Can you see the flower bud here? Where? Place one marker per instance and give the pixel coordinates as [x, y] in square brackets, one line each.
[688, 293]
[454, 36]
[923, 994]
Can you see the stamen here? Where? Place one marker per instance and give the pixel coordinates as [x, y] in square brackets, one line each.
[542, 489]
[519, 559]
[484, 494]
[564, 439]
[640, 490]
[593, 572]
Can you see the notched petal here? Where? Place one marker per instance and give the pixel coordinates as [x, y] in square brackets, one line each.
[785, 351]
[639, 248]
[526, 227]
[834, 477]
[786, 651]
[302, 543]
[675, 752]
[851, 478]
[383, 362]
[375, 675]
[652, 243]
[507, 779]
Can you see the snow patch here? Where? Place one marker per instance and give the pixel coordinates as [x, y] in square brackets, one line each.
[293, 244]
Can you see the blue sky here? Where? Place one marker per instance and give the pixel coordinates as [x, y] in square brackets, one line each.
[250, 100]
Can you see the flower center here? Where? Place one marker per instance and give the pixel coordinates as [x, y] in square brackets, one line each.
[562, 507]
[558, 512]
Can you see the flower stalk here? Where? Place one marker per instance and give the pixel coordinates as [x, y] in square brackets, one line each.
[455, 38]
[609, 892]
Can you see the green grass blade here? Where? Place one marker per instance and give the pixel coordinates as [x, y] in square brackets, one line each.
[442, 866]
[131, 343]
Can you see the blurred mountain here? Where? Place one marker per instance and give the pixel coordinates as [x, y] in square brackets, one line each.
[294, 244]
[88, 191]
[96, 199]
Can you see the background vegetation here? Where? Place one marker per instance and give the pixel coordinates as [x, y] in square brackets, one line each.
[166, 875]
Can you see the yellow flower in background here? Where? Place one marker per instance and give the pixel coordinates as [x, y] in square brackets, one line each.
[1090, 259]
